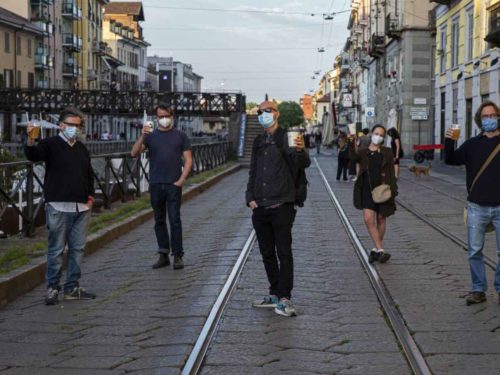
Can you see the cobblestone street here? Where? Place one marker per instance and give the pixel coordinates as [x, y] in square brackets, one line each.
[147, 321]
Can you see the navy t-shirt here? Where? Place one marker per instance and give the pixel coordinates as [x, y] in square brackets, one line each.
[165, 155]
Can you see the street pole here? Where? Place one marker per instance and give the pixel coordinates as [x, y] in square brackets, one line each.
[419, 124]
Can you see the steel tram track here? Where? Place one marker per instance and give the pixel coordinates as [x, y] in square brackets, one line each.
[197, 356]
[458, 199]
[410, 349]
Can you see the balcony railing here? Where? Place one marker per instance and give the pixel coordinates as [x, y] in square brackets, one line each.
[92, 74]
[392, 27]
[72, 42]
[70, 70]
[40, 12]
[41, 60]
[42, 84]
[377, 45]
[70, 10]
[493, 36]
[99, 47]
[444, 2]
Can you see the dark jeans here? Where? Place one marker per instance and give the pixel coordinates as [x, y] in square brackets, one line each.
[342, 168]
[167, 198]
[273, 227]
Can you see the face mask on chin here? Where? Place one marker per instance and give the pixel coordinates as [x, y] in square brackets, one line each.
[165, 122]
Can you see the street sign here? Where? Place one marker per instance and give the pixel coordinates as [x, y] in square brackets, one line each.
[347, 100]
[369, 111]
[420, 101]
[419, 113]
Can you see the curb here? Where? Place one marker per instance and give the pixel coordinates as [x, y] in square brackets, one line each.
[30, 276]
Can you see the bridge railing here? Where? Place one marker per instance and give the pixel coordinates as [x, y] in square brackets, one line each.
[118, 176]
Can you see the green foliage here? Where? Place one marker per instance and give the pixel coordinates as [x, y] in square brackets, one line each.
[251, 105]
[7, 174]
[291, 114]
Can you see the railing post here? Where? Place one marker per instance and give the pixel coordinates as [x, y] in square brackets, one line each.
[107, 175]
[124, 178]
[28, 226]
[137, 173]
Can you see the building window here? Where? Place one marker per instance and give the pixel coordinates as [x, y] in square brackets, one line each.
[494, 27]
[31, 80]
[18, 45]
[29, 47]
[455, 43]
[485, 98]
[8, 75]
[18, 79]
[7, 43]
[442, 51]
[470, 34]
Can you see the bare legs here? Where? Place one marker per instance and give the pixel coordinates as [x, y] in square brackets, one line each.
[375, 224]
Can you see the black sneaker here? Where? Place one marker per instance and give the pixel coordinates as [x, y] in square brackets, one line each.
[374, 256]
[52, 296]
[178, 262]
[475, 297]
[383, 256]
[78, 293]
[162, 261]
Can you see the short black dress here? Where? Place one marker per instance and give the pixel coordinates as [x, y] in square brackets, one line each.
[375, 160]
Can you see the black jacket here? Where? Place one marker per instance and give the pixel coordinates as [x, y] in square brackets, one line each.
[473, 153]
[270, 178]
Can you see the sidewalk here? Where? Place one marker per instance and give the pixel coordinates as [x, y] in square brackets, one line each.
[143, 319]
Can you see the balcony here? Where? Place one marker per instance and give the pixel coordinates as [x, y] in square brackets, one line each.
[71, 11]
[69, 70]
[40, 12]
[99, 48]
[42, 84]
[493, 36]
[72, 42]
[41, 59]
[444, 2]
[41, 2]
[92, 74]
[392, 27]
[42, 25]
[377, 45]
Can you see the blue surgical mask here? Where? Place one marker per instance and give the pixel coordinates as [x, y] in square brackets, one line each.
[266, 120]
[489, 124]
[71, 132]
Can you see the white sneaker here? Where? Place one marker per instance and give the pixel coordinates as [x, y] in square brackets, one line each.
[285, 308]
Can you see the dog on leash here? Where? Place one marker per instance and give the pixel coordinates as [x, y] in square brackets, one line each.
[418, 170]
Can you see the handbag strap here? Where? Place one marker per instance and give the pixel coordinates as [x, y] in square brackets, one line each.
[486, 163]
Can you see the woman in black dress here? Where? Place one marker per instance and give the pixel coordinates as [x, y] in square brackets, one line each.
[397, 150]
[376, 168]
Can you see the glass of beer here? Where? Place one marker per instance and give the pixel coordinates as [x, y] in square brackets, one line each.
[148, 126]
[35, 132]
[455, 128]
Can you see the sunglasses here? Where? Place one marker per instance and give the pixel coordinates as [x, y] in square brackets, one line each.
[79, 126]
[267, 110]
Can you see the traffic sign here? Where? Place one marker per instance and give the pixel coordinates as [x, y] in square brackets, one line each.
[419, 113]
[369, 111]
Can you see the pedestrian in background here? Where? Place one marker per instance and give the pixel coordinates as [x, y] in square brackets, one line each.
[318, 139]
[481, 157]
[376, 168]
[342, 156]
[362, 143]
[271, 195]
[69, 195]
[170, 164]
[397, 149]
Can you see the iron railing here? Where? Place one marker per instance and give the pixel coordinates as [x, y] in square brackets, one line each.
[117, 177]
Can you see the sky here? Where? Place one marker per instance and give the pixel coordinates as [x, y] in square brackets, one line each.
[252, 52]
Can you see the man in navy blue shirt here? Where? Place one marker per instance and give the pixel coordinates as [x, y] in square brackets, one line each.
[170, 164]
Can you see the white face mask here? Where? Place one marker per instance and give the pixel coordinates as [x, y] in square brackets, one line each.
[377, 139]
[165, 122]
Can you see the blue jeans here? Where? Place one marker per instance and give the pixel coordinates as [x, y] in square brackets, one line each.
[70, 228]
[477, 219]
[167, 198]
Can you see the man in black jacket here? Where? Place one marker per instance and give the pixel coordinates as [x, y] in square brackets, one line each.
[69, 194]
[271, 195]
[483, 206]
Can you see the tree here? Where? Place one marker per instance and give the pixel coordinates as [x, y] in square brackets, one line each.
[291, 114]
[251, 105]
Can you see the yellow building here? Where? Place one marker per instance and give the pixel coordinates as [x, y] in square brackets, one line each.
[466, 62]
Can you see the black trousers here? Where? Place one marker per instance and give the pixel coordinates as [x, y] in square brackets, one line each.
[342, 168]
[273, 227]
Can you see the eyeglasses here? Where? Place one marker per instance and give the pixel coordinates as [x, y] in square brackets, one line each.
[267, 110]
[166, 116]
[80, 126]
[493, 116]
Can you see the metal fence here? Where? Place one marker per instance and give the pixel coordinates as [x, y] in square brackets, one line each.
[117, 177]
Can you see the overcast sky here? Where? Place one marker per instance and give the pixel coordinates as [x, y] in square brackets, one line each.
[252, 52]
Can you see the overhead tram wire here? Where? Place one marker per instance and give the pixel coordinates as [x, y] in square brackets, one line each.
[281, 12]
